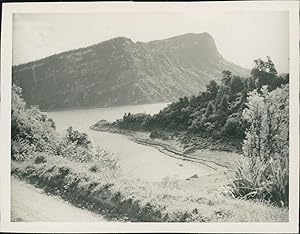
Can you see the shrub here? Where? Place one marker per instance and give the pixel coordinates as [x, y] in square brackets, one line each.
[198, 124]
[232, 127]
[21, 149]
[209, 127]
[106, 159]
[268, 115]
[236, 84]
[29, 125]
[264, 72]
[94, 168]
[224, 103]
[209, 109]
[79, 138]
[267, 147]
[40, 159]
[263, 181]
[73, 151]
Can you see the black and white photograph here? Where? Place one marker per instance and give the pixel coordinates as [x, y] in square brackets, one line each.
[178, 113]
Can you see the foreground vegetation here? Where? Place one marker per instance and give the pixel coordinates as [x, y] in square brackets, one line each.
[266, 173]
[123, 199]
[70, 166]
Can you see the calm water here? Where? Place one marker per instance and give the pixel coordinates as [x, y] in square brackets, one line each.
[139, 161]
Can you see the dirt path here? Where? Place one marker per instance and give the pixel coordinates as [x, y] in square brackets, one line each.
[30, 204]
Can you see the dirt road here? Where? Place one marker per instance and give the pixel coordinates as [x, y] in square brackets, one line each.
[30, 204]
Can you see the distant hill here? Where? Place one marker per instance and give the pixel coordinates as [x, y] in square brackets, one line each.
[121, 72]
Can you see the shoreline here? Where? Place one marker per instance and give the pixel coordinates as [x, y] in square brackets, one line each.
[170, 147]
[99, 107]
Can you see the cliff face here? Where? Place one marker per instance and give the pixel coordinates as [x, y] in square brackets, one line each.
[122, 72]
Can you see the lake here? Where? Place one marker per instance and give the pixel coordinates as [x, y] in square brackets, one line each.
[137, 161]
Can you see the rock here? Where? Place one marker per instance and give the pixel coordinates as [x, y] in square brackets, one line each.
[195, 176]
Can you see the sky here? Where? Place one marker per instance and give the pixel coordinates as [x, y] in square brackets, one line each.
[240, 37]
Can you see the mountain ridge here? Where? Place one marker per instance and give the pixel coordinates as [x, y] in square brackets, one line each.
[120, 71]
[95, 44]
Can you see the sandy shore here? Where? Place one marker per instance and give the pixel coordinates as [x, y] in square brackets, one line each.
[217, 160]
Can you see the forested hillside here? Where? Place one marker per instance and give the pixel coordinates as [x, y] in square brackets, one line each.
[122, 72]
[216, 112]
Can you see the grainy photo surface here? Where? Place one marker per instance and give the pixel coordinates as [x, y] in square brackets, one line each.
[150, 117]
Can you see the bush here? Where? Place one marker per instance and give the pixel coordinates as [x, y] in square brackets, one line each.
[198, 124]
[40, 159]
[209, 127]
[106, 159]
[263, 181]
[21, 149]
[266, 176]
[268, 116]
[232, 127]
[73, 151]
[80, 139]
[29, 126]
[94, 168]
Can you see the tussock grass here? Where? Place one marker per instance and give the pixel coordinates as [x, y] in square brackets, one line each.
[262, 181]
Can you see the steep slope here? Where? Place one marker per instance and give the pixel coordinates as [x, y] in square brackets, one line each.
[120, 71]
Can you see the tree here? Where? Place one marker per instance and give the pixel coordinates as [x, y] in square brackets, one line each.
[232, 127]
[193, 101]
[249, 84]
[212, 89]
[268, 116]
[209, 109]
[236, 84]
[223, 90]
[80, 139]
[183, 101]
[224, 104]
[278, 81]
[266, 176]
[226, 77]
[264, 72]
[270, 66]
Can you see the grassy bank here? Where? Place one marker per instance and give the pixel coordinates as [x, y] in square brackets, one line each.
[124, 199]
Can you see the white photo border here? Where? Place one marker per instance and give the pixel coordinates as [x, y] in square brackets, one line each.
[96, 7]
